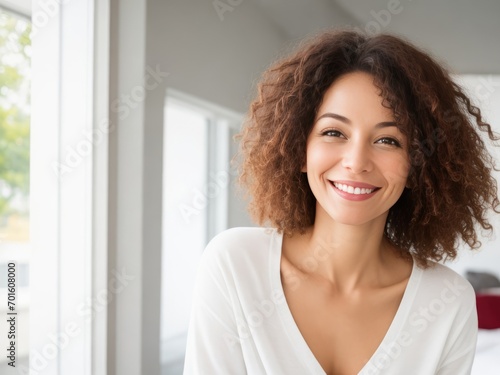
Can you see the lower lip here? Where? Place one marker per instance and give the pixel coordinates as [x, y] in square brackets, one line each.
[353, 197]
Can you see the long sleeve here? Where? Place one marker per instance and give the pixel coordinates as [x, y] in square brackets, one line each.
[460, 357]
[213, 345]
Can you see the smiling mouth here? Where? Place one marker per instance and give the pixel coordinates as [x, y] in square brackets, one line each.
[353, 189]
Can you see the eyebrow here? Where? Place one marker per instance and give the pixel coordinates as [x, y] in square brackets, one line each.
[345, 120]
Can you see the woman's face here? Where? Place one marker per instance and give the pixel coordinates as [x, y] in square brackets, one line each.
[357, 161]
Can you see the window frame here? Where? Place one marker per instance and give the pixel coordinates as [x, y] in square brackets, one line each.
[21, 7]
[64, 335]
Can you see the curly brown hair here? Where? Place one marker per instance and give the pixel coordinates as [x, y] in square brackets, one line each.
[450, 185]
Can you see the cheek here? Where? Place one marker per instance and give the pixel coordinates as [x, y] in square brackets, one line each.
[320, 156]
[398, 169]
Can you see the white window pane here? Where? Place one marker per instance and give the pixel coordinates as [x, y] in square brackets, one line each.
[184, 224]
[15, 65]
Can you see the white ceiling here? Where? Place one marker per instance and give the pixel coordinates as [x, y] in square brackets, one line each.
[464, 34]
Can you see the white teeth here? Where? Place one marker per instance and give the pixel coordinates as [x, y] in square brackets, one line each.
[352, 190]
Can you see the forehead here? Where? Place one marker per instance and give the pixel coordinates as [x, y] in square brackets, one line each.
[355, 96]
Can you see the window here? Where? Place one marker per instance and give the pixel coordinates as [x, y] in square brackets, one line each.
[15, 52]
[196, 198]
[63, 277]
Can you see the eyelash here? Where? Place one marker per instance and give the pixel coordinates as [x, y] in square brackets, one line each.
[392, 141]
[387, 140]
[331, 131]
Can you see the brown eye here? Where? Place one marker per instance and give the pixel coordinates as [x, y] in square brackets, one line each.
[389, 141]
[332, 133]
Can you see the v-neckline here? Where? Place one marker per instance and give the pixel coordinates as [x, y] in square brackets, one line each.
[303, 351]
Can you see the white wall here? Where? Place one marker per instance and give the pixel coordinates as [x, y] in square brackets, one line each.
[212, 59]
[485, 89]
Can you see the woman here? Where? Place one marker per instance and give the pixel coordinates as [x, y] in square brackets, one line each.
[366, 163]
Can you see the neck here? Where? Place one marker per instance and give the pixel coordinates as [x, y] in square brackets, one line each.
[348, 256]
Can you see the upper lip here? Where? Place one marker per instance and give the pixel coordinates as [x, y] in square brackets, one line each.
[355, 184]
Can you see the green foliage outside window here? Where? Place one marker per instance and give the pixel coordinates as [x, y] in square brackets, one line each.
[15, 48]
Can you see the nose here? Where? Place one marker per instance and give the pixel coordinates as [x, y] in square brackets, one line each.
[356, 157]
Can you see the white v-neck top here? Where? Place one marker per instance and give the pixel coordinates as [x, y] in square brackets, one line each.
[241, 323]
